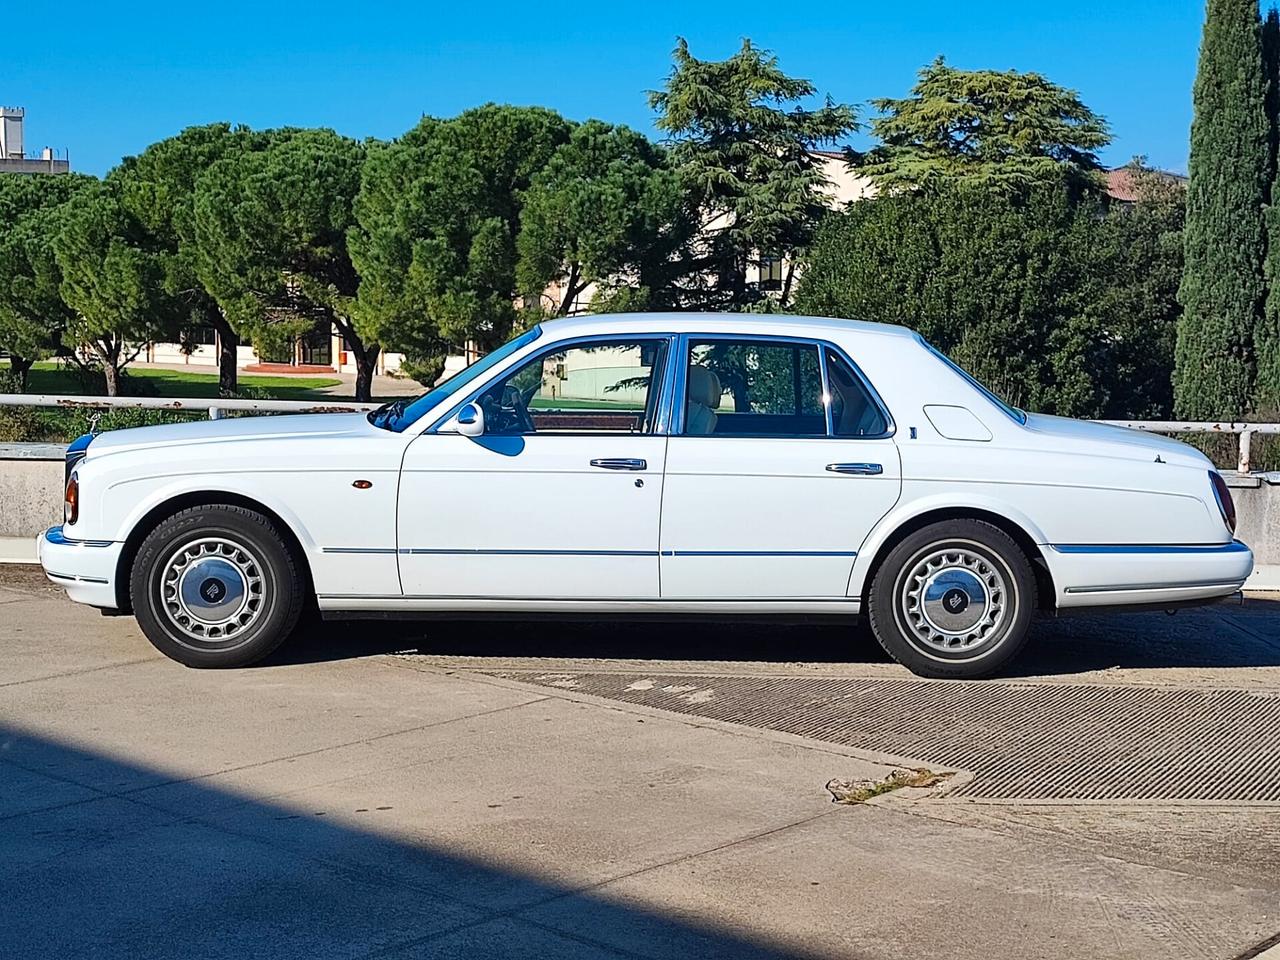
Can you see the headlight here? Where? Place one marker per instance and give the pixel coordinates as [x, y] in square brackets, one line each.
[71, 502]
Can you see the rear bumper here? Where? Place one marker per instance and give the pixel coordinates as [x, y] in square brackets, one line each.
[86, 569]
[1097, 575]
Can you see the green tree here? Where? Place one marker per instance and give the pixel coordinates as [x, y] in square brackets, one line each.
[1221, 339]
[158, 188]
[1267, 340]
[606, 209]
[437, 219]
[744, 147]
[112, 281]
[271, 231]
[1056, 302]
[32, 312]
[997, 129]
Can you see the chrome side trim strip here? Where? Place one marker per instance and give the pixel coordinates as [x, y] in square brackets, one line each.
[1227, 585]
[69, 577]
[759, 553]
[55, 536]
[478, 552]
[1235, 546]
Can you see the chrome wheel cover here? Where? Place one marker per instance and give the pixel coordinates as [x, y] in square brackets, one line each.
[212, 590]
[953, 599]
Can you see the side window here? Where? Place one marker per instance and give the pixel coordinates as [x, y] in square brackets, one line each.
[754, 388]
[592, 388]
[853, 412]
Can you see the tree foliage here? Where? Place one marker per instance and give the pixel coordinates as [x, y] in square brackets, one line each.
[437, 219]
[1057, 303]
[158, 188]
[112, 281]
[996, 129]
[32, 312]
[743, 144]
[606, 209]
[271, 230]
[1222, 285]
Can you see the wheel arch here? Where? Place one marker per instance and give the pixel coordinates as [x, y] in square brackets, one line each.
[1017, 531]
[158, 513]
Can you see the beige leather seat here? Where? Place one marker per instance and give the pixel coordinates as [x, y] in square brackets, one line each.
[704, 397]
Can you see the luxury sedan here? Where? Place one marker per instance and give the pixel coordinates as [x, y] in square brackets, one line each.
[673, 464]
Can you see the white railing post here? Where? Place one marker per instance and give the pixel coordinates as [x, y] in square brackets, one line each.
[1246, 445]
[215, 413]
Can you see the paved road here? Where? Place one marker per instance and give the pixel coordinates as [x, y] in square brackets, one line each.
[572, 789]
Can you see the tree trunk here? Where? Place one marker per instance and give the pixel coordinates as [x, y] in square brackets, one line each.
[112, 374]
[228, 341]
[20, 367]
[366, 363]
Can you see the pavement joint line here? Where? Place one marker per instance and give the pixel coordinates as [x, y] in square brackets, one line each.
[1268, 949]
[1232, 621]
[82, 672]
[126, 794]
[707, 723]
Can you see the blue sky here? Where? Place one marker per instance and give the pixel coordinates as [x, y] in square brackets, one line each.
[105, 79]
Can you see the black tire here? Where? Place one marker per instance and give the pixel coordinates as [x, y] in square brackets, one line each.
[953, 566]
[229, 574]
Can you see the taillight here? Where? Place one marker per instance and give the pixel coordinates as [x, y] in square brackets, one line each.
[1222, 493]
[71, 502]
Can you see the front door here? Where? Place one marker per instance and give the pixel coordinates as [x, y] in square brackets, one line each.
[559, 498]
[781, 465]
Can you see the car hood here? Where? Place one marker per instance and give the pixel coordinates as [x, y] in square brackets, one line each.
[239, 429]
[1138, 444]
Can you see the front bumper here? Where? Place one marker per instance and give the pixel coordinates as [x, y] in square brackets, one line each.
[86, 569]
[1095, 575]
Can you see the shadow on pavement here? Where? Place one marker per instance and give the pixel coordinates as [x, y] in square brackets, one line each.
[1225, 635]
[104, 859]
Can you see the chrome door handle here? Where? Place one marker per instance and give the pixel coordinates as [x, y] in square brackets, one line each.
[620, 464]
[857, 469]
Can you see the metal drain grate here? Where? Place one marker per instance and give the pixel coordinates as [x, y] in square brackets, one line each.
[1023, 741]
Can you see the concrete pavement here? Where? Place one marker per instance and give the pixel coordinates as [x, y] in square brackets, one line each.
[375, 791]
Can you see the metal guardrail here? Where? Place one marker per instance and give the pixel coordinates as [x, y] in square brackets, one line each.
[216, 407]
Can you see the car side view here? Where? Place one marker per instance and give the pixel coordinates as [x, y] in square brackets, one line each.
[675, 464]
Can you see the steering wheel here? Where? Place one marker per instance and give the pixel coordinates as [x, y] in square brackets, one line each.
[515, 409]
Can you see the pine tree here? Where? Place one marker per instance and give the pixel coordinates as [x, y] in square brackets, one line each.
[1267, 340]
[1222, 284]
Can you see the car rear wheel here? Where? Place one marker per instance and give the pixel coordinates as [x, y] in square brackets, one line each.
[216, 586]
[953, 600]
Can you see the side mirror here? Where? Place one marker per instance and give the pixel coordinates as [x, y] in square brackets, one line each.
[470, 420]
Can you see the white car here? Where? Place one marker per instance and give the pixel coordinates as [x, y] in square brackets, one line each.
[653, 463]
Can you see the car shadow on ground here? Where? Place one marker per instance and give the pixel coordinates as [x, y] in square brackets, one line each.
[1224, 635]
[111, 859]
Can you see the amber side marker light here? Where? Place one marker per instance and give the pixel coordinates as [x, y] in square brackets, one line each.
[71, 502]
[1223, 495]
[362, 484]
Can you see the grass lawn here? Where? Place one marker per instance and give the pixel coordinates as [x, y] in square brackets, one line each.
[52, 378]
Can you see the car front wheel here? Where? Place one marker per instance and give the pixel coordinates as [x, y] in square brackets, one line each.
[216, 586]
[953, 600]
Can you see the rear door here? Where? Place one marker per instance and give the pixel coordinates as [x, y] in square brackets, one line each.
[780, 464]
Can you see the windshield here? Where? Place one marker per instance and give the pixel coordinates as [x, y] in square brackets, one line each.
[398, 415]
[1011, 411]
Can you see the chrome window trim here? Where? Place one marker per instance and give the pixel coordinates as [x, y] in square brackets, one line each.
[682, 375]
[533, 354]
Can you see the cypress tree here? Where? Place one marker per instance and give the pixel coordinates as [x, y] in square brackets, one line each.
[1222, 283]
[1267, 340]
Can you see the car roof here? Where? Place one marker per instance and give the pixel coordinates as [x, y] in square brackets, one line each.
[777, 324]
